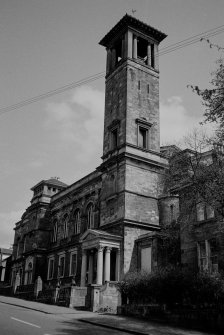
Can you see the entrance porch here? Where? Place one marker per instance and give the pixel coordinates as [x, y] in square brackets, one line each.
[100, 257]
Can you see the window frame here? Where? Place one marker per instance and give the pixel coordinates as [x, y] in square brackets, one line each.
[51, 258]
[65, 226]
[55, 231]
[90, 216]
[72, 253]
[143, 125]
[60, 257]
[203, 209]
[210, 265]
[77, 221]
[114, 138]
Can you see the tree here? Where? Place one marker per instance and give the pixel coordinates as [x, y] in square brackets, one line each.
[213, 98]
[200, 169]
[198, 174]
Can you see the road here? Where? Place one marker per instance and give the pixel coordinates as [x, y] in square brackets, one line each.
[17, 318]
[20, 321]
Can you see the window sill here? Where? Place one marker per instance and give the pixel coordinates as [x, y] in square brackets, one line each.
[198, 223]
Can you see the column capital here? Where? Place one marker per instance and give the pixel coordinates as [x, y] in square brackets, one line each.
[108, 249]
[100, 248]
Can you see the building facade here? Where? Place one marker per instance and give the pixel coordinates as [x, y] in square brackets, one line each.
[106, 224]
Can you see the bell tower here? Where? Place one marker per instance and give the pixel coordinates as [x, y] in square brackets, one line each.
[132, 164]
[132, 87]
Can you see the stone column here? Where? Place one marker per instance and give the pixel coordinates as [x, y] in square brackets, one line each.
[135, 47]
[107, 265]
[99, 279]
[149, 59]
[113, 59]
[129, 45]
[123, 48]
[156, 57]
[108, 61]
[90, 277]
[83, 269]
[118, 257]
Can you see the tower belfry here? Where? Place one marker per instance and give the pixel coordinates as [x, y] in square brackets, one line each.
[132, 164]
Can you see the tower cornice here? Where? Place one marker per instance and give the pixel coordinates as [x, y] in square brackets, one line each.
[129, 21]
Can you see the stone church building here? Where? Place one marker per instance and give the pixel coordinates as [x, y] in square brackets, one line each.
[104, 225]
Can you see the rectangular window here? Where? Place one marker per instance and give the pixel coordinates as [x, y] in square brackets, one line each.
[146, 259]
[204, 212]
[139, 85]
[143, 138]
[73, 263]
[50, 274]
[202, 256]
[208, 255]
[61, 266]
[114, 138]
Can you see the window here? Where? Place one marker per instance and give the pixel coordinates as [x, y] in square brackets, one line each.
[139, 85]
[77, 220]
[143, 133]
[61, 265]
[143, 138]
[50, 273]
[90, 219]
[142, 49]
[65, 226]
[204, 212]
[146, 259]
[55, 231]
[208, 255]
[114, 138]
[73, 263]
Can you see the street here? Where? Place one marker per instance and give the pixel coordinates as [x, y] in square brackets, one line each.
[19, 317]
[20, 321]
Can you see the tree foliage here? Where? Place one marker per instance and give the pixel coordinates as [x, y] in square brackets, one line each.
[200, 177]
[213, 98]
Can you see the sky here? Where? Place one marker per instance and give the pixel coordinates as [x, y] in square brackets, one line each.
[47, 44]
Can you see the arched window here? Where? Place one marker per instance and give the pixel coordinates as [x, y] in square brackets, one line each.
[90, 218]
[65, 226]
[55, 231]
[77, 221]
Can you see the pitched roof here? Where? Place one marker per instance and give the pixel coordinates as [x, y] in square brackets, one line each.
[130, 21]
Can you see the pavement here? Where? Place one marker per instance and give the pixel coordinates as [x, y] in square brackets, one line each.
[114, 322]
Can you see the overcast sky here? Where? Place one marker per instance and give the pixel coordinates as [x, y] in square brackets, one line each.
[46, 44]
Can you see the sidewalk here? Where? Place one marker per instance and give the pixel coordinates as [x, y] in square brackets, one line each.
[121, 323]
[139, 327]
